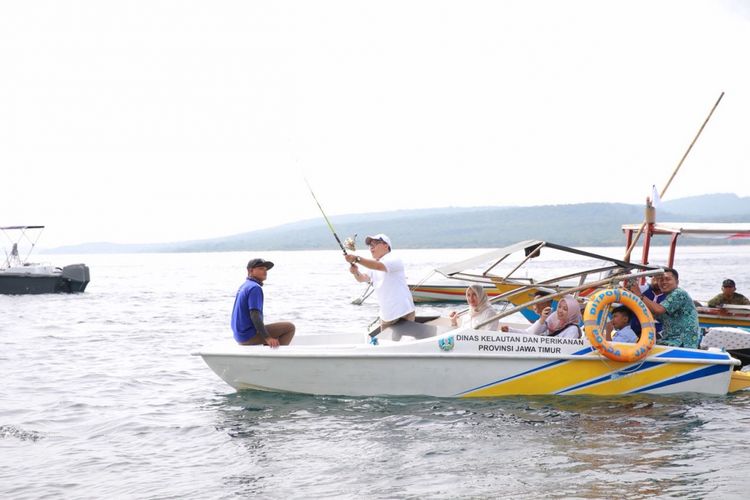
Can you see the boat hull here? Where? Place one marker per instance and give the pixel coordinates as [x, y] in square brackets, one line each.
[70, 279]
[711, 317]
[468, 364]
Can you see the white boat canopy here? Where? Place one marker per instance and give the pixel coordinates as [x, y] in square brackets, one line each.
[530, 248]
[492, 257]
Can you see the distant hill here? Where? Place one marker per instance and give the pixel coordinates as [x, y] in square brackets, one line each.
[585, 224]
[723, 204]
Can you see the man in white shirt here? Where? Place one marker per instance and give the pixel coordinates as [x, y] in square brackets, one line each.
[386, 273]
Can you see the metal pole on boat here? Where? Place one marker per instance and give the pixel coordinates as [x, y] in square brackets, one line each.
[663, 191]
[330, 226]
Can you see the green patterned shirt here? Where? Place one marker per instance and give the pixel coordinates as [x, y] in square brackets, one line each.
[680, 320]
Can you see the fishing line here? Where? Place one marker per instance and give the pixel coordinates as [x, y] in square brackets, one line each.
[330, 226]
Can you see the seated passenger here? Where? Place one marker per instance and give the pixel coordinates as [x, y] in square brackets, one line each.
[538, 308]
[676, 312]
[621, 323]
[729, 296]
[565, 323]
[653, 292]
[480, 310]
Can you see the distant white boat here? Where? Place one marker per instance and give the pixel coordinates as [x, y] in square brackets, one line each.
[18, 276]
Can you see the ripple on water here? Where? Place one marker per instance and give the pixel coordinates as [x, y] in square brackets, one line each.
[100, 398]
[10, 431]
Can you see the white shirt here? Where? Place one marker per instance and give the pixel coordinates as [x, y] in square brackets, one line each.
[391, 289]
[471, 321]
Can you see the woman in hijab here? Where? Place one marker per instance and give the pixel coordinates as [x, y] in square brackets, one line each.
[566, 320]
[480, 310]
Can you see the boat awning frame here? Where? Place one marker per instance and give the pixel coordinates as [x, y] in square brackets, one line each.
[730, 230]
[529, 247]
[20, 227]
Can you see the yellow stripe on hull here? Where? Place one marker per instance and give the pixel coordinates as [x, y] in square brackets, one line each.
[739, 381]
[631, 382]
[549, 380]
[724, 321]
[556, 379]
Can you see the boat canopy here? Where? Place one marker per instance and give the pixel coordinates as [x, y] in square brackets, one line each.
[491, 257]
[13, 258]
[531, 248]
[729, 230]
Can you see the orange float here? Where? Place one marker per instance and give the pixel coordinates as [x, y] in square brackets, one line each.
[618, 351]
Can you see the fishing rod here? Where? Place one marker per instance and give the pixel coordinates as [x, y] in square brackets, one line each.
[663, 191]
[330, 226]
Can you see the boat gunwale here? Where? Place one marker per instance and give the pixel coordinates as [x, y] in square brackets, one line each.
[730, 361]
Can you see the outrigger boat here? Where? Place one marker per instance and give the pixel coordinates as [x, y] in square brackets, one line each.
[723, 316]
[708, 317]
[430, 358]
[445, 293]
[18, 276]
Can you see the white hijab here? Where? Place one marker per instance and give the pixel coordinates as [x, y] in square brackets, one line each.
[482, 312]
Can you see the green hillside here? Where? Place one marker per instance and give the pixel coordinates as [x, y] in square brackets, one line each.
[585, 224]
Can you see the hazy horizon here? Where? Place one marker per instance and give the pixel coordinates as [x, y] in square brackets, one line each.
[150, 121]
[312, 232]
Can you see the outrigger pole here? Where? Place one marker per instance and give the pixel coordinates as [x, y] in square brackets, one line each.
[663, 191]
[330, 226]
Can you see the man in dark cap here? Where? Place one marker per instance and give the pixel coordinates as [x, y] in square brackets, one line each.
[729, 296]
[247, 314]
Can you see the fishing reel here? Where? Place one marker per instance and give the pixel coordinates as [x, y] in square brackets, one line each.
[350, 243]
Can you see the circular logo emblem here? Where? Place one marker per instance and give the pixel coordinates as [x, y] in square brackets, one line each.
[447, 343]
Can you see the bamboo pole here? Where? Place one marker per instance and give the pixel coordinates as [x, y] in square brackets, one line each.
[664, 190]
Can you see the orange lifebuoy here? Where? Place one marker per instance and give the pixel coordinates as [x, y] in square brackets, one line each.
[627, 353]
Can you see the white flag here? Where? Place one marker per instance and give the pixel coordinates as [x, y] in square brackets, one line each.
[655, 200]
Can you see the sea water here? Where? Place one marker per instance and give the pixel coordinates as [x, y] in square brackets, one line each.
[100, 397]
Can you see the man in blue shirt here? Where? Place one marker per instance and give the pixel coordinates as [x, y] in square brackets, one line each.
[247, 314]
[653, 292]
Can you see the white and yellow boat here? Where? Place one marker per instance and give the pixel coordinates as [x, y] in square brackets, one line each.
[429, 358]
[469, 363]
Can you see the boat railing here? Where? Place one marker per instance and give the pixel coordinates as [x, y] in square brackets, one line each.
[612, 280]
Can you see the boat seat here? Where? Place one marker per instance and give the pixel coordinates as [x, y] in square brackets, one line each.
[408, 330]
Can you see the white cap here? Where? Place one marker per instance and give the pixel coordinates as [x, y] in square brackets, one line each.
[381, 237]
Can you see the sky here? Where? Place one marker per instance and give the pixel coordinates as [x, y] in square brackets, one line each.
[159, 121]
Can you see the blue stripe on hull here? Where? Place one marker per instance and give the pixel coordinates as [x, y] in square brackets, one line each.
[703, 372]
[693, 354]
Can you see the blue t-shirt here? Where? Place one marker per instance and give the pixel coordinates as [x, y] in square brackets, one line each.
[249, 296]
[650, 294]
[635, 324]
